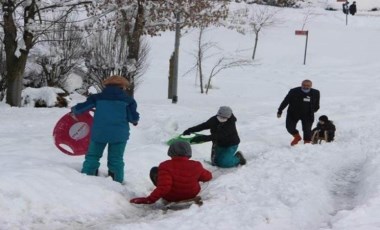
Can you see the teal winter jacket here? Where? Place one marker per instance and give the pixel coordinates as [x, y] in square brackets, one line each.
[114, 110]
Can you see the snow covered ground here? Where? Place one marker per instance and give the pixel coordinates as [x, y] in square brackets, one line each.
[306, 187]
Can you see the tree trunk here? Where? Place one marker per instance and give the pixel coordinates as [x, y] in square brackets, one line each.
[16, 64]
[14, 84]
[208, 84]
[254, 48]
[176, 57]
[200, 57]
[170, 85]
[123, 34]
[200, 75]
[134, 44]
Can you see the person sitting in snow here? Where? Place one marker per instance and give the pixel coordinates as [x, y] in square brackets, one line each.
[176, 179]
[325, 130]
[114, 111]
[224, 137]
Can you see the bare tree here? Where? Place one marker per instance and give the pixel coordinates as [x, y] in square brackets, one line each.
[2, 72]
[103, 57]
[282, 3]
[64, 53]
[136, 18]
[23, 23]
[253, 19]
[106, 58]
[309, 15]
[191, 14]
[202, 54]
[224, 63]
[129, 20]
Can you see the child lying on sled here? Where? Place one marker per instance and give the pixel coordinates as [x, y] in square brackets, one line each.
[176, 179]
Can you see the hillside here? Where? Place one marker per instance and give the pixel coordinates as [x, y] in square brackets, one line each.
[306, 187]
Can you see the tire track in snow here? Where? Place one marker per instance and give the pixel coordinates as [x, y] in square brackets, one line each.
[346, 182]
[344, 191]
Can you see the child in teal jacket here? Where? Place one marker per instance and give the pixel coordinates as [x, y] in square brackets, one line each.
[114, 110]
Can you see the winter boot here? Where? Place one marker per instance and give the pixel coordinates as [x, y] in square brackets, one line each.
[306, 142]
[296, 139]
[111, 174]
[242, 160]
[153, 174]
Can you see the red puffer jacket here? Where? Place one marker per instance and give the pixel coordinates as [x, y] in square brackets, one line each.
[178, 179]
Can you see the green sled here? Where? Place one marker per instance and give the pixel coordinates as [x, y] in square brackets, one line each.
[186, 138]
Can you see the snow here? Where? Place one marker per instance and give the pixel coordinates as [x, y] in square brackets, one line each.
[361, 4]
[305, 187]
[47, 94]
[73, 82]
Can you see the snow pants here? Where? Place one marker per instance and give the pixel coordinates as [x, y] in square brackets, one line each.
[115, 159]
[225, 156]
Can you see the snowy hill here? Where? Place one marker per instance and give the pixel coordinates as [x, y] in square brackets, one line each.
[363, 5]
[306, 187]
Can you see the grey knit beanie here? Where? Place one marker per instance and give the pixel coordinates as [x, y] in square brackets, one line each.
[224, 111]
[180, 149]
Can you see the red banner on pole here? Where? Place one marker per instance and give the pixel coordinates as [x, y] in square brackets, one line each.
[302, 32]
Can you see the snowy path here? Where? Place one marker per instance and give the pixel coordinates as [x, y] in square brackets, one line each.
[352, 188]
[277, 181]
[344, 191]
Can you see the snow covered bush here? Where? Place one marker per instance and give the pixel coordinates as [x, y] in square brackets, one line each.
[44, 97]
[282, 3]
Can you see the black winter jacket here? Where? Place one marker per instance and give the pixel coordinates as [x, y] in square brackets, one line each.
[329, 127]
[223, 134]
[301, 104]
[352, 9]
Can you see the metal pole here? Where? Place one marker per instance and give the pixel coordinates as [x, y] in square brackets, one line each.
[176, 51]
[304, 59]
[346, 18]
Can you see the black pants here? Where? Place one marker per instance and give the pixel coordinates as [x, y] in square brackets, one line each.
[307, 123]
[153, 174]
[213, 153]
[330, 135]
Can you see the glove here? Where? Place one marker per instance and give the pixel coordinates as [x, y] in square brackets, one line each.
[186, 132]
[141, 200]
[73, 116]
[278, 115]
[198, 139]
